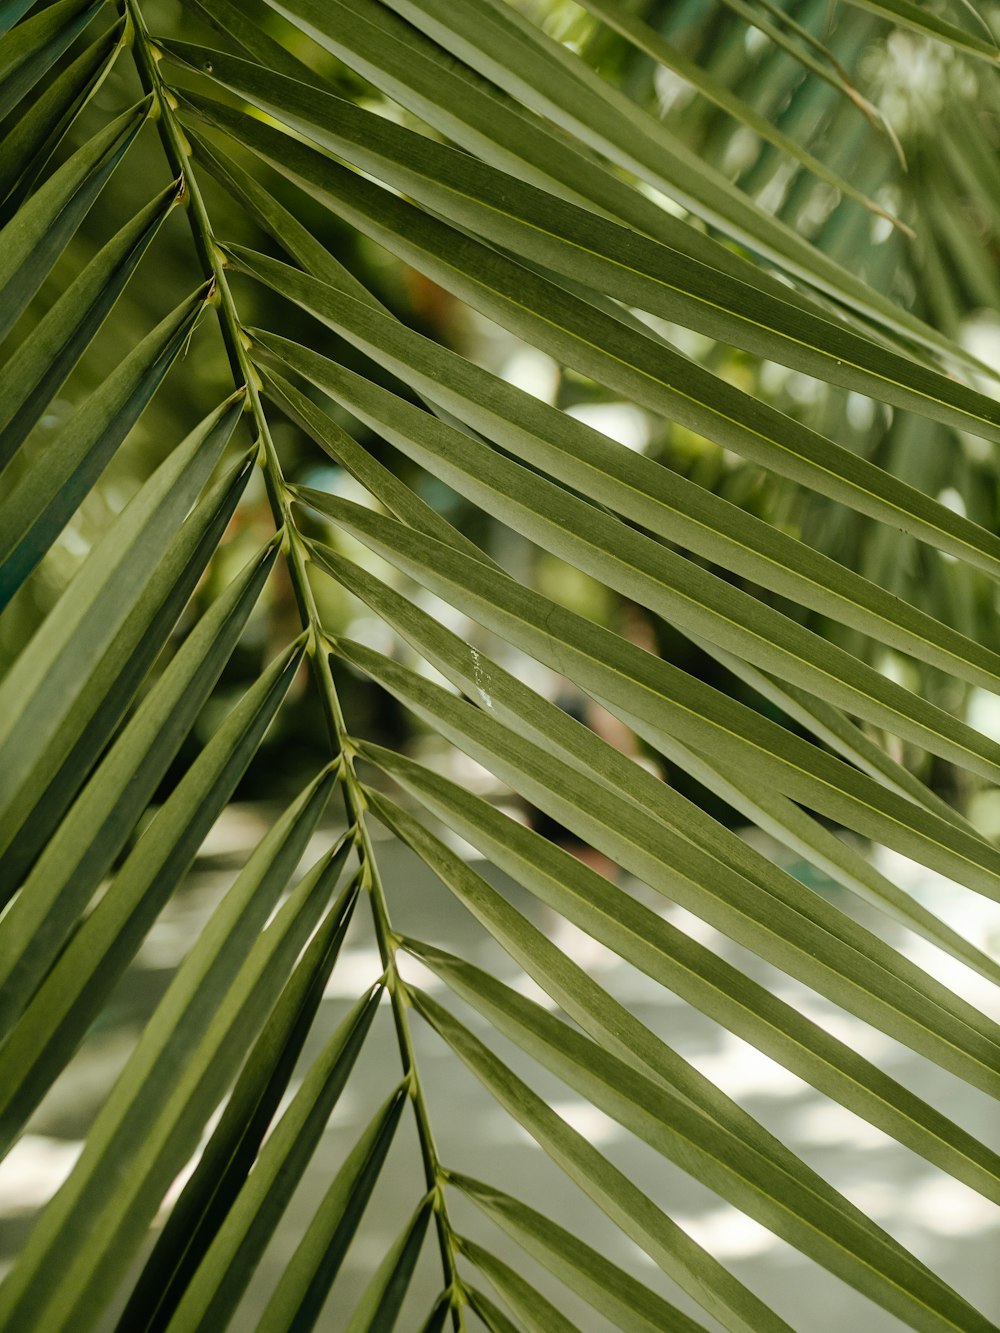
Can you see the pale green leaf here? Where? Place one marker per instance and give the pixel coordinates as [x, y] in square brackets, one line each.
[74, 991]
[633, 680]
[848, 965]
[83, 848]
[662, 501]
[62, 698]
[681, 1258]
[718, 1157]
[735, 420]
[537, 1314]
[614, 1293]
[571, 241]
[481, 680]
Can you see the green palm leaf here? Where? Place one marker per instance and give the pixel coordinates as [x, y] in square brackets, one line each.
[383, 556]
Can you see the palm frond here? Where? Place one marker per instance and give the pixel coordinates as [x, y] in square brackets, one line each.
[798, 582]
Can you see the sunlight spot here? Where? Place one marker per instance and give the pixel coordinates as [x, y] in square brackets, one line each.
[480, 676]
[740, 1070]
[877, 1198]
[861, 410]
[950, 1208]
[672, 92]
[176, 1187]
[728, 1233]
[353, 971]
[692, 926]
[952, 499]
[980, 335]
[830, 1124]
[619, 421]
[593, 1124]
[585, 951]
[530, 989]
[984, 714]
[881, 229]
[416, 973]
[34, 1169]
[865, 1040]
[534, 372]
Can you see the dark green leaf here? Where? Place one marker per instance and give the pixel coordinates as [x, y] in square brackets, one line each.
[29, 143]
[379, 1307]
[189, 1052]
[35, 45]
[70, 686]
[219, 1282]
[301, 1293]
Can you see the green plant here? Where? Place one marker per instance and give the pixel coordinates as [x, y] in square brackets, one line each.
[497, 163]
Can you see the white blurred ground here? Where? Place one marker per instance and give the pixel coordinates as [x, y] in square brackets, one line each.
[947, 1225]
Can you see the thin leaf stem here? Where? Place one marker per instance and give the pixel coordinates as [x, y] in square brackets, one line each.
[177, 151]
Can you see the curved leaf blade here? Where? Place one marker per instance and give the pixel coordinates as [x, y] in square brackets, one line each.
[150, 1125]
[228, 1156]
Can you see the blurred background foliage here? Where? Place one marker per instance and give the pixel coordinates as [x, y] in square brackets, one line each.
[933, 164]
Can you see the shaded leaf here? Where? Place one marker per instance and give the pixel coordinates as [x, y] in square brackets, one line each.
[37, 508]
[35, 371]
[379, 1307]
[37, 234]
[150, 1125]
[226, 1160]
